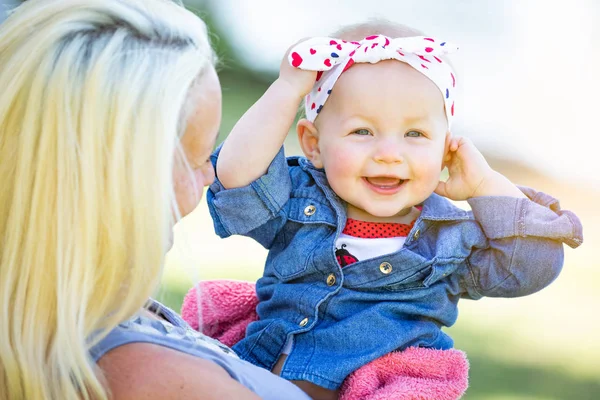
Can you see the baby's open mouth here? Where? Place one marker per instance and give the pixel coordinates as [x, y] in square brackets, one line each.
[384, 182]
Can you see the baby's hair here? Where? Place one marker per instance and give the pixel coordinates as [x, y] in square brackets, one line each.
[375, 26]
[91, 107]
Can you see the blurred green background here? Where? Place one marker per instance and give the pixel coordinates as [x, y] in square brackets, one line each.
[541, 347]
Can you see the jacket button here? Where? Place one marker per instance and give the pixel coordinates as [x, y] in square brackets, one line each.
[385, 267]
[331, 280]
[303, 322]
[417, 234]
[310, 210]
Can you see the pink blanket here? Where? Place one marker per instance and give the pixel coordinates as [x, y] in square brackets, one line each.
[228, 306]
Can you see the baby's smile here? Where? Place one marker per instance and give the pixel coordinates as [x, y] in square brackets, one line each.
[384, 184]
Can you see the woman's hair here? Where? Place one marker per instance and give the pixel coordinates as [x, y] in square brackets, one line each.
[91, 104]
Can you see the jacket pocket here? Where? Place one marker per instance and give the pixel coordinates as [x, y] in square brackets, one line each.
[375, 276]
[306, 210]
[424, 277]
[414, 281]
[441, 270]
[292, 255]
[309, 224]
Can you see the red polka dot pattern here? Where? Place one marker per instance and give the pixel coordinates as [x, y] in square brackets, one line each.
[331, 57]
[373, 230]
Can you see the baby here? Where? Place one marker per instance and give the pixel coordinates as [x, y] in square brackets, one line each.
[367, 255]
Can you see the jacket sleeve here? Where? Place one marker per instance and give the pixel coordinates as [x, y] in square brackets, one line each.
[255, 210]
[524, 247]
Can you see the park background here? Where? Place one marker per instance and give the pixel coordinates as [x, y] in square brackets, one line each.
[528, 71]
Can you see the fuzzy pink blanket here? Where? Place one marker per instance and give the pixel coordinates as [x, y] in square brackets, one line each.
[228, 306]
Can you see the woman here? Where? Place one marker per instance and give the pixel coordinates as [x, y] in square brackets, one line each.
[109, 110]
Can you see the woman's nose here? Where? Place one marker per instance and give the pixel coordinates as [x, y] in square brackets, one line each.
[208, 174]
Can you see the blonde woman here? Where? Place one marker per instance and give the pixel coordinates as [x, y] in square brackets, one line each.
[109, 110]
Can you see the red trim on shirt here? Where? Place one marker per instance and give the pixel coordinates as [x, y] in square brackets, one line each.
[373, 230]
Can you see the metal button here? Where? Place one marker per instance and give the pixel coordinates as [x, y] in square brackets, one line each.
[303, 322]
[331, 280]
[310, 210]
[417, 234]
[385, 267]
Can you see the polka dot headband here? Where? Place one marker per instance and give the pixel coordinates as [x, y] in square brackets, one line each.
[331, 57]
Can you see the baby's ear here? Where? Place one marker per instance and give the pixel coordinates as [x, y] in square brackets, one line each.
[308, 136]
[447, 142]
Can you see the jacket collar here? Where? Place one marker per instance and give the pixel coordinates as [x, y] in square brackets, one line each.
[438, 208]
[318, 174]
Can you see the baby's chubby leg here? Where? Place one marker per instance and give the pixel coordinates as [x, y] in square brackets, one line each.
[314, 391]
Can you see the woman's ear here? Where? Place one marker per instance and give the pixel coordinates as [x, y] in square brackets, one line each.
[308, 136]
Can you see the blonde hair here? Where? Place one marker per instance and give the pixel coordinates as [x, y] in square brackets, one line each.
[91, 100]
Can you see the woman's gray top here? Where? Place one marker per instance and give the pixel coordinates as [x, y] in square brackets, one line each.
[173, 332]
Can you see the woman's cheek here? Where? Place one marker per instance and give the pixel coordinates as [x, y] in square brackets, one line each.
[188, 189]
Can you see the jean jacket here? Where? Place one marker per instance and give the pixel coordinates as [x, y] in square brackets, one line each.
[341, 319]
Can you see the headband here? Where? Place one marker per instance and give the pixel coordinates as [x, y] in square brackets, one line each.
[330, 57]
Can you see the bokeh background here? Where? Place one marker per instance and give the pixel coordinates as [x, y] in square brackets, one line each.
[528, 71]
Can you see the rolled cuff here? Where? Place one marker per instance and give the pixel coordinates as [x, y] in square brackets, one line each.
[241, 210]
[539, 215]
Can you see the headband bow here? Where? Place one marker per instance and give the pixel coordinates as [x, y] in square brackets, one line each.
[330, 57]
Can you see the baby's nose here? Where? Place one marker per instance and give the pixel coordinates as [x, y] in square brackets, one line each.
[389, 152]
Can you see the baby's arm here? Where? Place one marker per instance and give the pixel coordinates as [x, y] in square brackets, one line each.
[257, 137]
[525, 230]
[523, 248]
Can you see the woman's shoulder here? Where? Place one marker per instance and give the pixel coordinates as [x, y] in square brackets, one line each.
[167, 330]
[165, 358]
[156, 355]
[151, 371]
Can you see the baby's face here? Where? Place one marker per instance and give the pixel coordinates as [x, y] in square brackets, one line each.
[382, 136]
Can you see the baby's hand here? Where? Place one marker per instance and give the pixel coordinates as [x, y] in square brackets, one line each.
[300, 80]
[470, 174]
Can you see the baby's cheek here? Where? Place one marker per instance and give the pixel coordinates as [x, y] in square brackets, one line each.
[429, 178]
[336, 177]
[341, 163]
[341, 173]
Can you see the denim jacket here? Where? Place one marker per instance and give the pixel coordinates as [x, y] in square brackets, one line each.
[342, 319]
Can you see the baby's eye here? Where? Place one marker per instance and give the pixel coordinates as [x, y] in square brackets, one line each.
[362, 132]
[413, 134]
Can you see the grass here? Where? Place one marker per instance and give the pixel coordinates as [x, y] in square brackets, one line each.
[493, 377]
